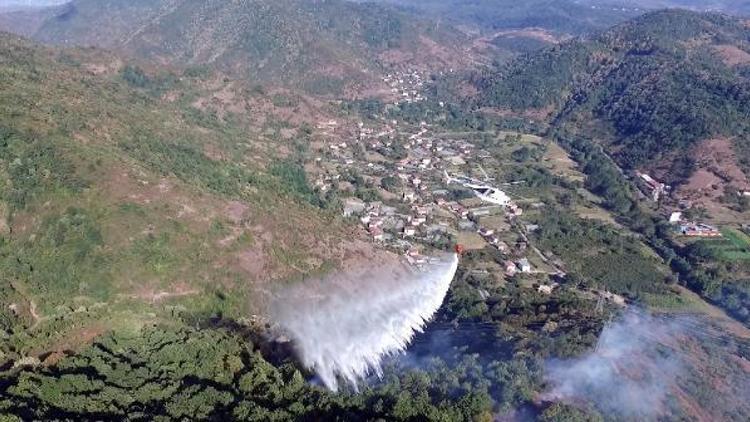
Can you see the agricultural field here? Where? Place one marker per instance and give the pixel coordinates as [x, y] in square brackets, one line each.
[733, 247]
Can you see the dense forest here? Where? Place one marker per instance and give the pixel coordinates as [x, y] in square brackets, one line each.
[482, 355]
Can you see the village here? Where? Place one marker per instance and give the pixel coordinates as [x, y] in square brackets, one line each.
[415, 187]
[430, 190]
[406, 85]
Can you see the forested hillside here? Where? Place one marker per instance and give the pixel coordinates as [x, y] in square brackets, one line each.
[653, 86]
[322, 47]
[113, 198]
[663, 94]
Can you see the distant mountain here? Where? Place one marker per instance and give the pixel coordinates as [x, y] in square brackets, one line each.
[25, 20]
[29, 4]
[651, 88]
[321, 46]
[559, 16]
[738, 7]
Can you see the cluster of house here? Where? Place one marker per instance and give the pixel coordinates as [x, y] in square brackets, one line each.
[406, 85]
[651, 187]
[511, 267]
[390, 225]
[692, 228]
[422, 209]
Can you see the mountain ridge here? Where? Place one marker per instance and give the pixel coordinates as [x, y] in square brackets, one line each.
[319, 46]
[638, 81]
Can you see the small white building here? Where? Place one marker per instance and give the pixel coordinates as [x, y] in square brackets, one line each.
[523, 265]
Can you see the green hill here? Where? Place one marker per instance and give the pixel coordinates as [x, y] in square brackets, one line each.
[649, 87]
[323, 47]
[115, 199]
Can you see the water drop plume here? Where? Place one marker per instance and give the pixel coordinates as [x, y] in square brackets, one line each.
[344, 324]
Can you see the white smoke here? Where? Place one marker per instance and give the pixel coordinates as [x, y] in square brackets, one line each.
[645, 366]
[345, 324]
[628, 374]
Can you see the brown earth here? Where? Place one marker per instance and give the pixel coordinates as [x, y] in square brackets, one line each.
[717, 170]
[73, 341]
[540, 34]
[152, 295]
[731, 55]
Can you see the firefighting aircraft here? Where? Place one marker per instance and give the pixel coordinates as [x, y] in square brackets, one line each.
[484, 192]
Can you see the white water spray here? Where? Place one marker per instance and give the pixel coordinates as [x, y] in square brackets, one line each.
[344, 325]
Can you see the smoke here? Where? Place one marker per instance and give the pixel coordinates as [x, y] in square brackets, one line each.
[628, 373]
[646, 366]
[345, 324]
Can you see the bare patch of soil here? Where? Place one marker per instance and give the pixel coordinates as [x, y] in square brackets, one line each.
[731, 55]
[72, 341]
[717, 170]
[236, 211]
[253, 261]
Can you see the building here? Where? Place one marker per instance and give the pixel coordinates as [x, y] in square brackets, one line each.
[515, 210]
[377, 233]
[546, 288]
[524, 265]
[500, 245]
[699, 230]
[466, 225]
[485, 232]
[653, 187]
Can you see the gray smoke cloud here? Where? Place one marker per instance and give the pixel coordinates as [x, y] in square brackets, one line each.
[646, 366]
[344, 325]
[628, 374]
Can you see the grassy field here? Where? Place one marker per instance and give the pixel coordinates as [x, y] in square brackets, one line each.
[559, 163]
[733, 247]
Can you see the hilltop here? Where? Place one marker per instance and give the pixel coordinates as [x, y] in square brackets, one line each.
[651, 89]
[332, 47]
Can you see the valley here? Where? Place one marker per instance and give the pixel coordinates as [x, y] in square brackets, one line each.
[172, 169]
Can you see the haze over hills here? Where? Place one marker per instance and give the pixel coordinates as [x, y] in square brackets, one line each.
[322, 47]
[739, 7]
[566, 16]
